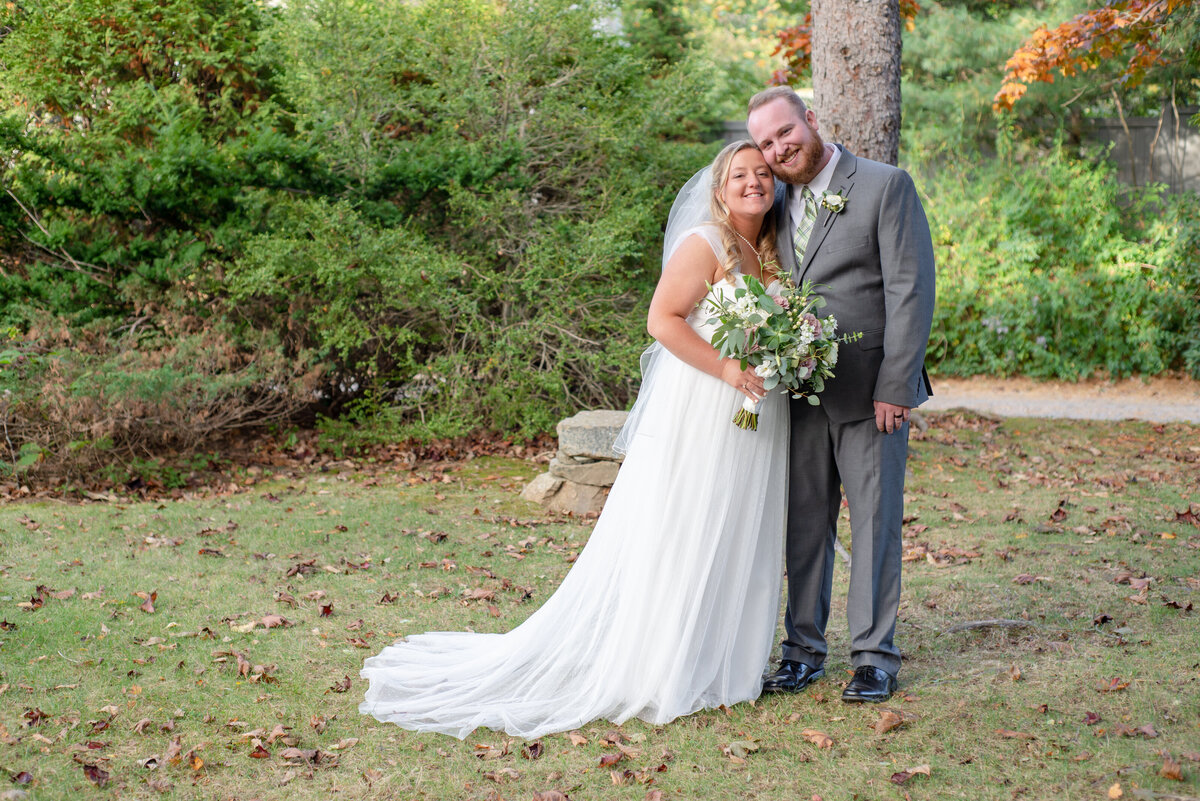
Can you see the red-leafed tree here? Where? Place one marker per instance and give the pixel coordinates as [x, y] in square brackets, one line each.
[1138, 35]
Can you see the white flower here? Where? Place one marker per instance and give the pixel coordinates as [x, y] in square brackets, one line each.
[766, 369]
[829, 325]
[834, 201]
[833, 353]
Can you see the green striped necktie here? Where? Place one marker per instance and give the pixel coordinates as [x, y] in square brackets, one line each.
[805, 226]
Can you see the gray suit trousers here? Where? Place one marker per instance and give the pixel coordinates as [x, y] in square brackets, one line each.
[825, 457]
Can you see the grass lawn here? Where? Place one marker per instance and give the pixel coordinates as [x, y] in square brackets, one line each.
[209, 647]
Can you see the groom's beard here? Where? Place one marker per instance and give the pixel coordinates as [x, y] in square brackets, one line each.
[805, 167]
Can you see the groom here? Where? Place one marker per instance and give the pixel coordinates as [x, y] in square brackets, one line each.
[856, 229]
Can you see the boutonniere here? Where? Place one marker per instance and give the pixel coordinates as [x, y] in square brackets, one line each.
[833, 201]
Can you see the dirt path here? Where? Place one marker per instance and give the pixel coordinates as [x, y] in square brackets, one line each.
[1161, 400]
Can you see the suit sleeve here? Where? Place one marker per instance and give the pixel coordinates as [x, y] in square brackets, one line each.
[909, 285]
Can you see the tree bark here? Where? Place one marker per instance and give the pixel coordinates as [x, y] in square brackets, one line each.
[856, 75]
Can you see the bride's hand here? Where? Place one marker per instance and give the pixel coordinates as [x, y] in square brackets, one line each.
[745, 381]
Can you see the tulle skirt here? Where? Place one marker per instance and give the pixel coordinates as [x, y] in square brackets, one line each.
[670, 608]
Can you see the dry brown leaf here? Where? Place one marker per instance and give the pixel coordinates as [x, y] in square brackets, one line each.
[1009, 734]
[577, 739]
[818, 738]
[888, 720]
[342, 745]
[1115, 791]
[1170, 768]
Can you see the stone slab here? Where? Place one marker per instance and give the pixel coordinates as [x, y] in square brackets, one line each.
[591, 434]
[601, 473]
[579, 499]
[542, 488]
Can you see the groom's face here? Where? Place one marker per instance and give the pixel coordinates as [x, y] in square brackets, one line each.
[788, 139]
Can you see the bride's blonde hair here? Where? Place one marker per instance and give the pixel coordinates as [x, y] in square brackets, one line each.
[768, 252]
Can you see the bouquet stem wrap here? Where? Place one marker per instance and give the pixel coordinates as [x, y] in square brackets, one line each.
[747, 416]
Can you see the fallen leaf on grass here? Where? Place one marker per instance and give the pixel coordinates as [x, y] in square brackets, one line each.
[607, 760]
[1170, 768]
[326, 609]
[550, 795]
[888, 720]
[577, 739]
[388, 598]
[96, 775]
[371, 775]
[34, 717]
[1115, 791]
[342, 745]
[318, 723]
[1111, 686]
[1091, 719]
[148, 599]
[1009, 734]
[741, 749]
[500, 774]
[340, 686]
[141, 726]
[302, 755]
[902, 776]
[486, 751]
[818, 738]
[1014, 673]
[259, 751]
[24, 777]
[279, 731]
[533, 750]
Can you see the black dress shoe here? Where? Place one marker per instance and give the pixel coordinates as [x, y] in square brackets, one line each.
[792, 677]
[869, 685]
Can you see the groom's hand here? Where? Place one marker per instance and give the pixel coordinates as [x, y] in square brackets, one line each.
[889, 417]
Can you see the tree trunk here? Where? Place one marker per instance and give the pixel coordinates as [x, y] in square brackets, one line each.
[856, 75]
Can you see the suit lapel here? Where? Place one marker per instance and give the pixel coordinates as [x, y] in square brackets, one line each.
[842, 181]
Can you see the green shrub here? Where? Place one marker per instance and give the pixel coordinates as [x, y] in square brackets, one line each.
[1046, 269]
[507, 171]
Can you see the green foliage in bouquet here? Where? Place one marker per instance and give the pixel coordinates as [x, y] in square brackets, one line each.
[780, 335]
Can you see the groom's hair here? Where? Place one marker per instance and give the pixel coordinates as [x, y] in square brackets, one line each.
[774, 93]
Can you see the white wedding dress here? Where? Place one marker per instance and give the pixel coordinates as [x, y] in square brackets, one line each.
[670, 608]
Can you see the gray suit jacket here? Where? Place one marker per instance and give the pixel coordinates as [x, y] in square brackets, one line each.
[873, 264]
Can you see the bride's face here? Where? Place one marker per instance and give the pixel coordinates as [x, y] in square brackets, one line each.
[749, 187]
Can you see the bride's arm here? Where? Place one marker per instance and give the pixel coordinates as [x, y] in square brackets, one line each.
[683, 284]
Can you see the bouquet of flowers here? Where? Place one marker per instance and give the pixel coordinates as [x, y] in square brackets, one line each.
[780, 335]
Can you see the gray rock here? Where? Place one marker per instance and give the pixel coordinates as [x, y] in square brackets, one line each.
[598, 473]
[579, 499]
[591, 434]
[566, 458]
[542, 488]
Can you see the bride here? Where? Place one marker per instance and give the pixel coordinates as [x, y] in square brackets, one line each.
[671, 606]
